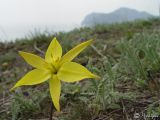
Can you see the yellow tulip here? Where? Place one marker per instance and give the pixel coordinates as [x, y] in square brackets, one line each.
[55, 68]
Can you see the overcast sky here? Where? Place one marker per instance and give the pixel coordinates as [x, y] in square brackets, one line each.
[64, 11]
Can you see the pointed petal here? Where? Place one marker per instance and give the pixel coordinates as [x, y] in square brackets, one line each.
[55, 90]
[69, 56]
[71, 72]
[34, 60]
[33, 77]
[54, 51]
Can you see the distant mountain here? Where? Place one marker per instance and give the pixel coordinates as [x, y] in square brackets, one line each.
[117, 16]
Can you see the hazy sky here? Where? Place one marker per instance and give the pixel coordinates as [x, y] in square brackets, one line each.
[64, 11]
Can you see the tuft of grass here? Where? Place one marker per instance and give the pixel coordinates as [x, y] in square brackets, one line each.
[141, 54]
[27, 104]
[9, 57]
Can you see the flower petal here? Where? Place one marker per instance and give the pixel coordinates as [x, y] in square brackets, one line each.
[54, 51]
[71, 72]
[34, 60]
[33, 77]
[55, 90]
[69, 56]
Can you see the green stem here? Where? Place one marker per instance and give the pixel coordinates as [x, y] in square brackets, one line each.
[51, 111]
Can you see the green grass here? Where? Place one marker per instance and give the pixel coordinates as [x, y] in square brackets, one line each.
[122, 54]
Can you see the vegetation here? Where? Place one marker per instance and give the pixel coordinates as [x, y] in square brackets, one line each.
[126, 56]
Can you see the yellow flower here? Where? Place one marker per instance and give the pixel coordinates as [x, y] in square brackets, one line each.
[55, 68]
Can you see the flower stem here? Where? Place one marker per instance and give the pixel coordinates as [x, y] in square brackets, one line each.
[51, 111]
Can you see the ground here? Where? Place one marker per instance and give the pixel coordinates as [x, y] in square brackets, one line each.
[126, 56]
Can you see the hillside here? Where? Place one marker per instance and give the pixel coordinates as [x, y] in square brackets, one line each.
[125, 55]
[117, 16]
